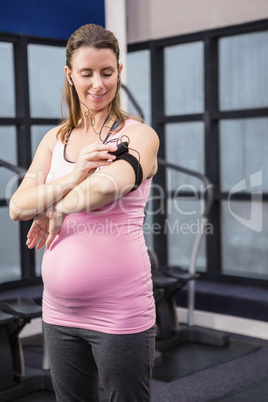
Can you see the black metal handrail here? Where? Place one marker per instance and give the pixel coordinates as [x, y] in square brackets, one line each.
[133, 100]
[13, 168]
[207, 184]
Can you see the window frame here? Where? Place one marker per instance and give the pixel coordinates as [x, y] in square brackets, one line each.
[211, 118]
[23, 123]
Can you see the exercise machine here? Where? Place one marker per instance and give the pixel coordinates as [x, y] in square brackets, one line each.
[168, 280]
[17, 380]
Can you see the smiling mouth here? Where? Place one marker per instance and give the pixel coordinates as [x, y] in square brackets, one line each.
[97, 96]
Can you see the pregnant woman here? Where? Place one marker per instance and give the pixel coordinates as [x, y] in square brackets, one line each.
[86, 189]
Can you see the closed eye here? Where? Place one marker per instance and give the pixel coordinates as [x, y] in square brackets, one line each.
[106, 75]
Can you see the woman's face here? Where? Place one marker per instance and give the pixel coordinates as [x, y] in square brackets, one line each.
[95, 76]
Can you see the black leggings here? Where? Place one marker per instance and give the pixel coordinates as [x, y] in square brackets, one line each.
[79, 356]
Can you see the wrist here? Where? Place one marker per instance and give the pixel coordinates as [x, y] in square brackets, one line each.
[78, 177]
[59, 208]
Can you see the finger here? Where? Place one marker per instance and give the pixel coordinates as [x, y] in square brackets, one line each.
[54, 228]
[100, 147]
[104, 147]
[37, 225]
[31, 243]
[50, 239]
[42, 242]
[38, 240]
[98, 155]
[33, 229]
[106, 155]
[35, 237]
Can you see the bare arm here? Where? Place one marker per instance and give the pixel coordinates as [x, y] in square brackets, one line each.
[34, 195]
[102, 187]
[117, 179]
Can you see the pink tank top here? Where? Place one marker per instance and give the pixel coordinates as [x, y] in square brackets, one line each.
[97, 273]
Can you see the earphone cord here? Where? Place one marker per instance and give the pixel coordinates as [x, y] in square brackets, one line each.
[87, 113]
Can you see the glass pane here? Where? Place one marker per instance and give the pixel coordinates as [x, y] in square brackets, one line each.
[46, 78]
[244, 238]
[37, 133]
[8, 154]
[148, 224]
[182, 228]
[243, 64]
[244, 150]
[38, 260]
[184, 79]
[184, 147]
[9, 248]
[139, 82]
[7, 86]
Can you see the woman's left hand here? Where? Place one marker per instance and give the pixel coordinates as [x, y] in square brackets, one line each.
[44, 229]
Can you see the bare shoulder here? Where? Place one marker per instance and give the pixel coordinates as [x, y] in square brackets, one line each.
[143, 134]
[50, 138]
[44, 150]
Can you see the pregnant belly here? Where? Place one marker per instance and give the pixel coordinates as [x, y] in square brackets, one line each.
[91, 268]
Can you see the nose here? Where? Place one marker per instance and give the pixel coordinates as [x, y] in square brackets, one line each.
[97, 81]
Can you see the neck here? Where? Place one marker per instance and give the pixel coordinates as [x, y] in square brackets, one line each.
[97, 123]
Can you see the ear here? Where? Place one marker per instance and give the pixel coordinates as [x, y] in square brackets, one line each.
[120, 68]
[68, 72]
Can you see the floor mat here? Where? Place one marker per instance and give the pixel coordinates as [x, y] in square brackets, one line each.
[258, 393]
[44, 396]
[41, 396]
[189, 358]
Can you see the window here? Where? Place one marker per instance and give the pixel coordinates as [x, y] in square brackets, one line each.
[184, 79]
[138, 82]
[9, 238]
[9, 248]
[243, 84]
[243, 71]
[184, 147]
[210, 109]
[7, 86]
[206, 95]
[46, 77]
[24, 120]
[244, 248]
[244, 150]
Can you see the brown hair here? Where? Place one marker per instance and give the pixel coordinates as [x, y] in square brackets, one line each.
[96, 36]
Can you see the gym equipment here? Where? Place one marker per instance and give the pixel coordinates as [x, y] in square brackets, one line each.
[168, 280]
[16, 380]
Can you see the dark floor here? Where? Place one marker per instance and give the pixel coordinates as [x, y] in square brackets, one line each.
[241, 378]
[42, 396]
[233, 378]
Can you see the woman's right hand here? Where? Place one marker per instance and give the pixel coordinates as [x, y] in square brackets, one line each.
[90, 158]
[45, 228]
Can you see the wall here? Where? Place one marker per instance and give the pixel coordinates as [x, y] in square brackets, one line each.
[50, 18]
[155, 19]
[115, 21]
